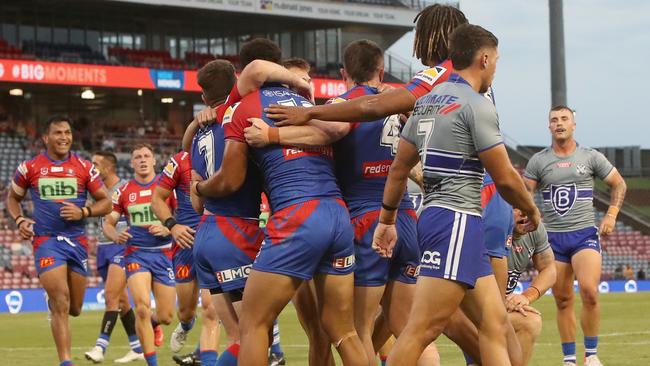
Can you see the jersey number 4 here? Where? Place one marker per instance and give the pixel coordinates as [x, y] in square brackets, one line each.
[390, 133]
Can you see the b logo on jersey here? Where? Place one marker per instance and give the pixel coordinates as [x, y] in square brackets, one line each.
[57, 188]
[142, 215]
[563, 197]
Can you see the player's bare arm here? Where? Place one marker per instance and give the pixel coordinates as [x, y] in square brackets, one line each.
[417, 175]
[315, 133]
[385, 235]
[363, 109]
[544, 263]
[25, 224]
[230, 176]
[531, 185]
[618, 188]
[197, 202]
[183, 235]
[109, 229]
[259, 72]
[190, 131]
[509, 183]
[102, 206]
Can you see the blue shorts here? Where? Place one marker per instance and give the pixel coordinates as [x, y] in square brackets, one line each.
[183, 261]
[453, 246]
[53, 251]
[224, 250]
[498, 223]
[158, 262]
[108, 254]
[307, 238]
[374, 270]
[566, 244]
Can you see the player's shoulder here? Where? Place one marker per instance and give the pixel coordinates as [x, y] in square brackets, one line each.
[434, 75]
[542, 154]
[587, 150]
[229, 113]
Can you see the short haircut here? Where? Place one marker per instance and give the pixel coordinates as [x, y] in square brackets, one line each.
[108, 156]
[142, 145]
[361, 60]
[466, 41]
[216, 79]
[561, 107]
[54, 120]
[433, 25]
[259, 49]
[296, 62]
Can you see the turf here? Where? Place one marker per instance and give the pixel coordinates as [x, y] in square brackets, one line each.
[625, 337]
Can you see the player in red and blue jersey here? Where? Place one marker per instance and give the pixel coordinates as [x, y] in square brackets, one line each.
[307, 234]
[175, 179]
[148, 249]
[59, 182]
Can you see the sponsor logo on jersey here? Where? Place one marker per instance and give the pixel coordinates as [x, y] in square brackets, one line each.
[46, 262]
[145, 193]
[564, 164]
[115, 197]
[582, 169]
[291, 153]
[142, 215]
[183, 271]
[430, 76]
[563, 197]
[56, 169]
[132, 267]
[57, 188]
[375, 169]
[343, 262]
[233, 274]
[509, 241]
[430, 259]
[412, 271]
[170, 168]
[227, 115]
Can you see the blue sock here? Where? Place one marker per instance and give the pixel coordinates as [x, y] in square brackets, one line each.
[569, 351]
[468, 359]
[208, 358]
[151, 359]
[134, 342]
[591, 346]
[383, 359]
[229, 356]
[275, 347]
[102, 341]
[197, 350]
[188, 326]
[66, 363]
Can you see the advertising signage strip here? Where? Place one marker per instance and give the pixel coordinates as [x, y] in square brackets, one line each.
[56, 73]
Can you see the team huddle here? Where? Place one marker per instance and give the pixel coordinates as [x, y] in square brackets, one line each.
[374, 270]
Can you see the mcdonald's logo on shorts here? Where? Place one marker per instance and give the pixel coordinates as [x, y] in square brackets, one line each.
[132, 267]
[45, 262]
[183, 271]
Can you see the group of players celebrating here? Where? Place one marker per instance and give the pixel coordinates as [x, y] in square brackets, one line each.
[360, 258]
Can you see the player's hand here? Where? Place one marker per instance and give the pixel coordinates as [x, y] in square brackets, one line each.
[287, 116]
[302, 87]
[531, 220]
[517, 302]
[607, 225]
[257, 135]
[158, 230]
[206, 116]
[71, 212]
[123, 237]
[26, 229]
[183, 236]
[384, 239]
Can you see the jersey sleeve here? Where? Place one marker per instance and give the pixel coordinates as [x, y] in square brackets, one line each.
[409, 131]
[171, 176]
[20, 183]
[483, 125]
[600, 165]
[93, 181]
[117, 200]
[424, 81]
[541, 239]
[233, 97]
[532, 169]
[235, 119]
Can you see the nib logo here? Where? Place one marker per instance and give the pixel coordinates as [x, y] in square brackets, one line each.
[14, 301]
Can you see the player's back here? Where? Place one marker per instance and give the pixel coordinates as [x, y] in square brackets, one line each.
[364, 156]
[291, 174]
[207, 155]
[449, 127]
[177, 177]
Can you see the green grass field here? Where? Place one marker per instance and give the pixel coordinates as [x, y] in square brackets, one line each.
[625, 337]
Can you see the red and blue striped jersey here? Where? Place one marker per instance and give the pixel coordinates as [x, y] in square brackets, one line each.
[177, 177]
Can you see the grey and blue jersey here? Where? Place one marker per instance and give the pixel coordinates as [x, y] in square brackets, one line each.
[566, 184]
[522, 251]
[450, 126]
[121, 223]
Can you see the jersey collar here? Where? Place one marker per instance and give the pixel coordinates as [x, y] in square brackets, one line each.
[57, 161]
[455, 78]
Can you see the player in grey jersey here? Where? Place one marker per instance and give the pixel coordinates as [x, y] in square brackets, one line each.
[534, 246]
[456, 131]
[110, 266]
[564, 172]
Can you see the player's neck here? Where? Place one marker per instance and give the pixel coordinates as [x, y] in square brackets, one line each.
[373, 83]
[473, 79]
[52, 154]
[111, 180]
[144, 179]
[564, 147]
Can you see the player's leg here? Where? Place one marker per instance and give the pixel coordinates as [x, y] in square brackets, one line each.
[528, 328]
[55, 283]
[209, 340]
[366, 303]
[564, 300]
[463, 332]
[139, 284]
[117, 277]
[188, 295]
[260, 308]
[320, 351]
[276, 356]
[428, 317]
[334, 294]
[381, 333]
[484, 306]
[587, 267]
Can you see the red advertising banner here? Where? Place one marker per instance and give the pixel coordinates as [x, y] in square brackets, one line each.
[56, 73]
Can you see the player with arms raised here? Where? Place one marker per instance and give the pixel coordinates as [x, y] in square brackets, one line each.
[59, 182]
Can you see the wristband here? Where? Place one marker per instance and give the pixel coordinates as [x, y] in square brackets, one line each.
[170, 223]
[19, 220]
[83, 212]
[539, 294]
[273, 134]
[90, 212]
[196, 188]
[388, 208]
